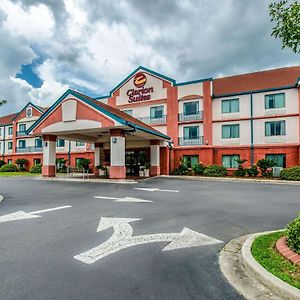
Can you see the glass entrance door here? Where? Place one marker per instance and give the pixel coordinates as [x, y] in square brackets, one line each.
[133, 160]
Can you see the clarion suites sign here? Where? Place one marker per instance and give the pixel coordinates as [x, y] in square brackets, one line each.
[141, 93]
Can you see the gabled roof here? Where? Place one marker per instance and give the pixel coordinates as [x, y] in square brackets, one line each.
[274, 79]
[38, 108]
[110, 111]
[7, 120]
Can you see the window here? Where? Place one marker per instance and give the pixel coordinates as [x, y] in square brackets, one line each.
[22, 127]
[191, 108]
[230, 106]
[10, 130]
[36, 161]
[229, 161]
[274, 101]
[38, 143]
[275, 128]
[191, 132]
[29, 112]
[22, 144]
[128, 111]
[157, 112]
[80, 144]
[190, 160]
[0, 131]
[230, 131]
[278, 159]
[60, 143]
[9, 146]
[9, 161]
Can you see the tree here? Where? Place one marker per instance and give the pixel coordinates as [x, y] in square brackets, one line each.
[2, 102]
[287, 23]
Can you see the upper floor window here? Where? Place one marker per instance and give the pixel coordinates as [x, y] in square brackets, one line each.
[191, 108]
[230, 106]
[190, 132]
[10, 130]
[157, 112]
[22, 127]
[274, 101]
[9, 145]
[80, 144]
[230, 131]
[60, 143]
[230, 161]
[38, 143]
[22, 144]
[0, 131]
[128, 111]
[275, 128]
[278, 159]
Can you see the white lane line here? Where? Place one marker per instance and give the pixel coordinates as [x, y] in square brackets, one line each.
[22, 215]
[123, 238]
[156, 190]
[125, 199]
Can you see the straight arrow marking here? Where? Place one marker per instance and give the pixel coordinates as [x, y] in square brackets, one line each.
[125, 199]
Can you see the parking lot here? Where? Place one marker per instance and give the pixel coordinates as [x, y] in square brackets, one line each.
[158, 239]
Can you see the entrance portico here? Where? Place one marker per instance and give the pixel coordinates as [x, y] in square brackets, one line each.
[78, 117]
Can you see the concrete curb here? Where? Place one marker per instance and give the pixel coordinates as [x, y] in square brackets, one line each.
[128, 181]
[272, 282]
[232, 179]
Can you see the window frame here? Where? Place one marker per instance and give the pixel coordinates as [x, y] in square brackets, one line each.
[267, 101]
[189, 163]
[192, 113]
[58, 143]
[230, 131]
[10, 130]
[229, 101]
[233, 164]
[274, 129]
[9, 145]
[190, 138]
[154, 108]
[22, 126]
[267, 156]
[21, 142]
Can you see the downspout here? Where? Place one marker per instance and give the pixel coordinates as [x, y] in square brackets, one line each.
[4, 136]
[69, 154]
[252, 133]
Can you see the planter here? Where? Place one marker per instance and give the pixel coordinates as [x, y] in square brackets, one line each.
[141, 173]
[146, 173]
[102, 172]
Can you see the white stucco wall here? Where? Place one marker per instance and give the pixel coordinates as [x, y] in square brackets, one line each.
[190, 89]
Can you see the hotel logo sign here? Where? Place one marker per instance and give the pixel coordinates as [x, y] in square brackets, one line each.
[141, 93]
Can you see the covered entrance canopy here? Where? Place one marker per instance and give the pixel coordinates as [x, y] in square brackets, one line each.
[75, 116]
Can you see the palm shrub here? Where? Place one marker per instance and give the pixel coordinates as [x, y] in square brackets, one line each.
[198, 169]
[293, 234]
[290, 173]
[36, 168]
[61, 164]
[252, 171]
[264, 166]
[84, 163]
[215, 171]
[240, 172]
[9, 168]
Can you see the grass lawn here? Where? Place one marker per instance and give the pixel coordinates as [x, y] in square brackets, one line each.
[265, 253]
[10, 174]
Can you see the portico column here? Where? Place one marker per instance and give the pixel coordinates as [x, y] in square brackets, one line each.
[117, 168]
[98, 157]
[154, 158]
[49, 155]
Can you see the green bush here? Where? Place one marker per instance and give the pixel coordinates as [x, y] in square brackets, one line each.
[2, 163]
[240, 172]
[198, 169]
[61, 165]
[21, 163]
[181, 170]
[252, 171]
[84, 163]
[36, 168]
[215, 171]
[264, 166]
[290, 173]
[9, 168]
[293, 234]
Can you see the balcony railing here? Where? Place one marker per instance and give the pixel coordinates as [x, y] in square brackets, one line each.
[183, 117]
[186, 141]
[21, 133]
[29, 149]
[151, 120]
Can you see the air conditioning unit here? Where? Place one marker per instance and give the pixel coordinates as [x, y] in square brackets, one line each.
[276, 171]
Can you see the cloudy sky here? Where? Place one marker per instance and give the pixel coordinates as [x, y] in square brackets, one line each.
[91, 45]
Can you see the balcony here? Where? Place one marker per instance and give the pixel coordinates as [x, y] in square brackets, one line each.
[21, 133]
[186, 141]
[29, 149]
[183, 117]
[151, 120]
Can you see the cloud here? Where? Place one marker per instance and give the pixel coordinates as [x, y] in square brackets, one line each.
[93, 45]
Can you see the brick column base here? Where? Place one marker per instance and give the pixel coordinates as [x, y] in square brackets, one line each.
[48, 171]
[117, 172]
[154, 170]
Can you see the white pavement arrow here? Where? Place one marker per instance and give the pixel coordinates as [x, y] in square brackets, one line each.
[125, 199]
[123, 238]
[22, 215]
[156, 190]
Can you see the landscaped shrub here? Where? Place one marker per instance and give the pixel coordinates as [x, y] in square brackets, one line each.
[21, 163]
[240, 172]
[293, 234]
[84, 163]
[264, 166]
[215, 171]
[36, 168]
[9, 168]
[252, 171]
[61, 165]
[290, 173]
[198, 169]
[181, 170]
[2, 163]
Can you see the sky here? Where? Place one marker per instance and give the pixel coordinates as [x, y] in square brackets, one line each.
[48, 46]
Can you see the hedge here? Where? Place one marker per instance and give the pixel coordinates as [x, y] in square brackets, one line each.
[36, 168]
[293, 234]
[290, 173]
[215, 171]
[9, 168]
